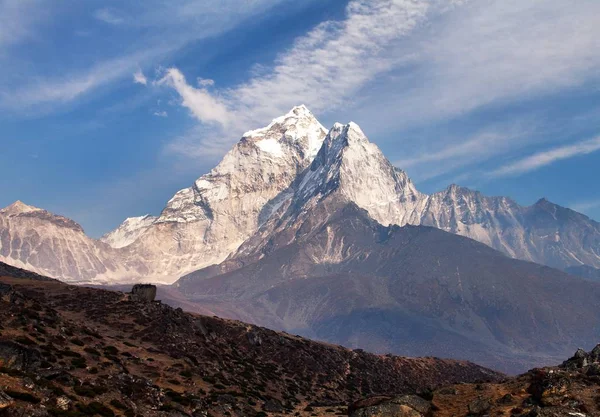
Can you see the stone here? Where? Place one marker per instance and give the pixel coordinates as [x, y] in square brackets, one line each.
[480, 406]
[401, 406]
[143, 292]
[63, 403]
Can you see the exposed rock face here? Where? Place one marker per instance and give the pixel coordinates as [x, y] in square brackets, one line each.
[143, 292]
[53, 245]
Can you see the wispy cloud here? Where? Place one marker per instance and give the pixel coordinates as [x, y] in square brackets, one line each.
[547, 157]
[463, 151]
[109, 16]
[421, 62]
[320, 69]
[139, 77]
[162, 113]
[160, 28]
[17, 18]
[72, 85]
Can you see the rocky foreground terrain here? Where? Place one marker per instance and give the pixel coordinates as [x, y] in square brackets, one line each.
[571, 389]
[73, 351]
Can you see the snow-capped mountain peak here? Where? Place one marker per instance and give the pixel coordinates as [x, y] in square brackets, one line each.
[18, 207]
[128, 231]
[355, 167]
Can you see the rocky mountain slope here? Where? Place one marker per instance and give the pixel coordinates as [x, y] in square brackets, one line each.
[74, 351]
[53, 245]
[584, 271]
[207, 222]
[568, 390]
[322, 267]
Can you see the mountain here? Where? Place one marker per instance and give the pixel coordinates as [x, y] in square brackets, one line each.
[203, 224]
[200, 225]
[323, 268]
[129, 231]
[53, 245]
[206, 223]
[75, 351]
[584, 271]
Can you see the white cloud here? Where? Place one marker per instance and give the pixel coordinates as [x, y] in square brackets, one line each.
[139, 77]
[547, 157]
[161, 114]
[199, 101]
[109, 16]
[205, 82]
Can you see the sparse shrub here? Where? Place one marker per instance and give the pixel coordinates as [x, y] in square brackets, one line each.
[23, 396]
[111, 350]
[118, 404]
[77, 342]
[79, 362]
[186, 373]
[24, 340]
[92, 351]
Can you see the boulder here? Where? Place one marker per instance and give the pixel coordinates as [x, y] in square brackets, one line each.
[143, 292]
[401, 406]
[479, 406]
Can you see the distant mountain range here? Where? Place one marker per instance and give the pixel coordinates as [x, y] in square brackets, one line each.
[315, 232]
[204, 224]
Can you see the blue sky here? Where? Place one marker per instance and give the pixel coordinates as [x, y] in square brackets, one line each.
[107, 108]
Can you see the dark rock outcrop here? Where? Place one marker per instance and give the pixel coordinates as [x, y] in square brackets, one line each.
[18, 357]
[143, 292]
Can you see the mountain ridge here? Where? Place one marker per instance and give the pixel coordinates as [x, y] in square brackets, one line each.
[256, 181]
